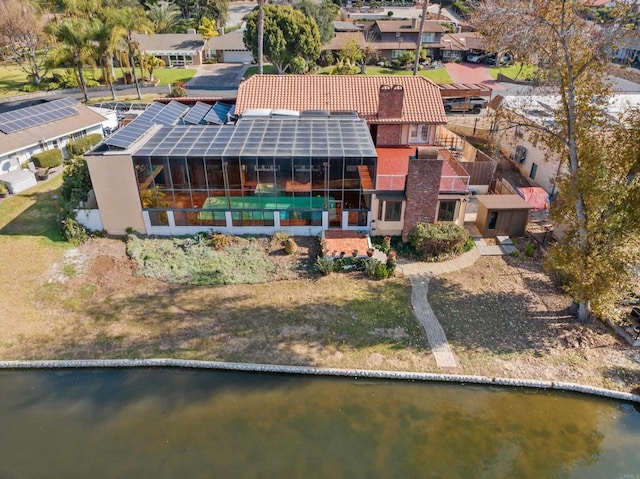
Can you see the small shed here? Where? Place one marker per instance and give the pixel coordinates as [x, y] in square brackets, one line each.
[502, 215]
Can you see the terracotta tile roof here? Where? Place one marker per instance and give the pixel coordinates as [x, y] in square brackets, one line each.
[422, 100]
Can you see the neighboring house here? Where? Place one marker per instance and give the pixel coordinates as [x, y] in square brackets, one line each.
[339, 26]
[301, 157]
[391, 38]
[629, 51]
[456, 46]
[44, 126]
[175, 49]
[229, 48]
[342, 39]
[517, 143]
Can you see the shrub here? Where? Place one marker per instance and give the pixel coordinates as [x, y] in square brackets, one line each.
[220, 241]
[432, 241]
[290, 246]
[81, 146]
[324, 265]
[48, 159]
[76, 182]
[529, 250]
[73, 231]
[178, 90]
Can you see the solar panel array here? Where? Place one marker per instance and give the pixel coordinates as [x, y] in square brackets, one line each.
[265, 137]
[37, 115]
[156, 114]
[170, 114]
[196, 114]
[218, 113]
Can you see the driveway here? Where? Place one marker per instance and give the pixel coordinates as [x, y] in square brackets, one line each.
[468, 72]
[237, 11]
[219, 77]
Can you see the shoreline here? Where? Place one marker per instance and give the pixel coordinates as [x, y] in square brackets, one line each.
[315, 371]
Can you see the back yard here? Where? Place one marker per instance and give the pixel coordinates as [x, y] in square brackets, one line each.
[502, 316]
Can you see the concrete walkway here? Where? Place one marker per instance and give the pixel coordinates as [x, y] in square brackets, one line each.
[435, 334]
[420, 273]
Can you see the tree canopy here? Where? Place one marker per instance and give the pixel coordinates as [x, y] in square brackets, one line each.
[572, 54]
[288, 33]
[324, 14]
[22, 36]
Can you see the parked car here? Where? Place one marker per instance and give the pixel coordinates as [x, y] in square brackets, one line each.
[473, 104]
[475, 58]
[505, 59]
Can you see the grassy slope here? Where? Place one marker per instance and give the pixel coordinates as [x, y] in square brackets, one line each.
[514, 71]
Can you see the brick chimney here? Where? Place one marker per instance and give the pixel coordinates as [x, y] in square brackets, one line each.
[414, 23]
[422, 188]
[390, 101]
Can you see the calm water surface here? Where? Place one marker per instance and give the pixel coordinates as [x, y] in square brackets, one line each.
[173, 423]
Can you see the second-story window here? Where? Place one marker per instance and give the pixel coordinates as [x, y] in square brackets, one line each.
[429, 37]
[419, 134]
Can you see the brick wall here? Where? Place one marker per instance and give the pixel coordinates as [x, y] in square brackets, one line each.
[423, 184]
[390, 101]
[389, 135]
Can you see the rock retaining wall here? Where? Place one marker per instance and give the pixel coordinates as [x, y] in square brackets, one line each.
[306, 370]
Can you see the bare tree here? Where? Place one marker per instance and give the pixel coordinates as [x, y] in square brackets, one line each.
[22, 36]
[571, 54]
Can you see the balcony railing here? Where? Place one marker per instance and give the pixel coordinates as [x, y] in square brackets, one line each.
[454, 177]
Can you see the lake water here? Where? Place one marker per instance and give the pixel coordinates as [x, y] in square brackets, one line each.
[176, 423]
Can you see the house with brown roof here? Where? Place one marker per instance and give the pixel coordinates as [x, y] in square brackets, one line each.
[175, 49]
[391, 38]
[456, 46]
[44, 125]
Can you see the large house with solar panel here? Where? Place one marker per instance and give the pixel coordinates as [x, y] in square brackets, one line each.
[351, 153]
[39, 127]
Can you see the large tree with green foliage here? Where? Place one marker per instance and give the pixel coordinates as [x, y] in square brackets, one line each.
[288, 33]
[75, 37]
[194, 10]
[22, 36]
[324, 14]
[572, 54]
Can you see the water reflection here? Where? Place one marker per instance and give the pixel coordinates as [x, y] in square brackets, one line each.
[172, 422]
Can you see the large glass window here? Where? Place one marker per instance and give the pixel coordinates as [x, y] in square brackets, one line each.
[447, 210]
[393, 210]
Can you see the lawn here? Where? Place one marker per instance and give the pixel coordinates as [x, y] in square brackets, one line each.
[518, 71]
[12, 79]
[253, 70]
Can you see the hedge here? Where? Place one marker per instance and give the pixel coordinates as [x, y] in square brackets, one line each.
[48, 159]
[81, 146]
[435, 240]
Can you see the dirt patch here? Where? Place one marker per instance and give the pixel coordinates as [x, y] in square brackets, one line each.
[505, 317]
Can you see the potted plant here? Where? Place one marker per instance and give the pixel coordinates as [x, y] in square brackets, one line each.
[354, 253]
[3, 190]
[370, 252]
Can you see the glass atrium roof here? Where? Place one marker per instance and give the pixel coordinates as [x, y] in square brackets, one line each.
[264, 137]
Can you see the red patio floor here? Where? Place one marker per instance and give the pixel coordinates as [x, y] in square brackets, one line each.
[340, 241]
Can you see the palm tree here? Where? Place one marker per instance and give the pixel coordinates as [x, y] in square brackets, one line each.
[165, 17]
[132, 20]
[76, 45]
[260, 36]
[107, 37]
